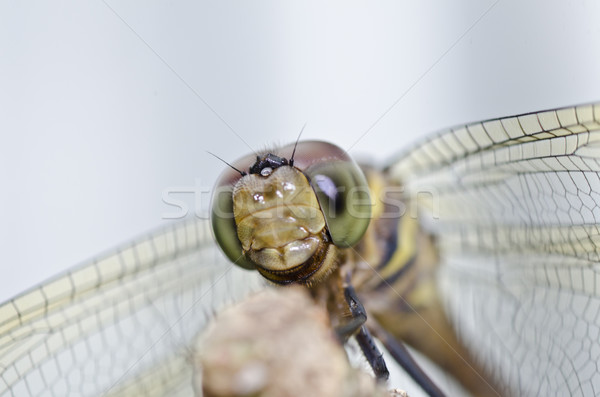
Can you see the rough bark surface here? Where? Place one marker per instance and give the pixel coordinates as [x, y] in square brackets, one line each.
[278, 343]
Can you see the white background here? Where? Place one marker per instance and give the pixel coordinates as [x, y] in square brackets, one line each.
[105, 105]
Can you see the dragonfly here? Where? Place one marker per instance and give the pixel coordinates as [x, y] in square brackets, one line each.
[477, 247]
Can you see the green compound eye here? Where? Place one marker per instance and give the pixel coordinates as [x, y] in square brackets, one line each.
[224, 228]
[343, 195]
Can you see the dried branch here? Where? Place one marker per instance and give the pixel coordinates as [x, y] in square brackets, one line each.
[278, 343]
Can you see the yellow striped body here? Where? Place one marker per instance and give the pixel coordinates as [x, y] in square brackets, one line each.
[402, 294]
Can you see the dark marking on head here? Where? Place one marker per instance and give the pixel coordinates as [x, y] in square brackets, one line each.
[269, 160]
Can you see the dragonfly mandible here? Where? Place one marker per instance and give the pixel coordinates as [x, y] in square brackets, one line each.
[491, 248]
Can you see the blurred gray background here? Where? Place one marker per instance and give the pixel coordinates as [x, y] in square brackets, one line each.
[106, 105]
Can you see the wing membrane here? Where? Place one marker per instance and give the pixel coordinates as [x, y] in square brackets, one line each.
[515, 203]
[122, 324]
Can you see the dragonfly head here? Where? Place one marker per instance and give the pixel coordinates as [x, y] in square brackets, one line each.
[289, 222]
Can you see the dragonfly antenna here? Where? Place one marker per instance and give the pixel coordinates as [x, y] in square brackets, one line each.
[296, 144]
[242, 173]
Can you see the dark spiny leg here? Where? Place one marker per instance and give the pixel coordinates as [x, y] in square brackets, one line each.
[357, 312]
[372, 353]
[407, 362]
[363, 337]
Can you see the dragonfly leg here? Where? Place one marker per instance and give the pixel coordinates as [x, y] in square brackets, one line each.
[358, 315]
[408, 363]
[363, 336]
[372, 353]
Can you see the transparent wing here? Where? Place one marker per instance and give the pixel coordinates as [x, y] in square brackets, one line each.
[121, 325]
[515, 203]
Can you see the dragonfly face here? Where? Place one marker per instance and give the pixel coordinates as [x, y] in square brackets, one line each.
[288, 219]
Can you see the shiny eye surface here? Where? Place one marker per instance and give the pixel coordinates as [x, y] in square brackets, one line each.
[343, 195]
